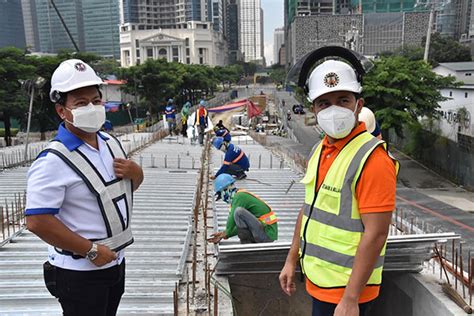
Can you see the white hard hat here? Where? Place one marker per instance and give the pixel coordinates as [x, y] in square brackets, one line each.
[367, 116]
[330, 76]
[70, 75]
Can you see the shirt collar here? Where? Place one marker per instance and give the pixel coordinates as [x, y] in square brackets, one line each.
[70, 140]
[340, 143]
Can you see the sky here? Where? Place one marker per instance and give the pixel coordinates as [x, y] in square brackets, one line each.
[272, 19]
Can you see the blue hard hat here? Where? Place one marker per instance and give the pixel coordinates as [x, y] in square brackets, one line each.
[202, 103]
[223, 181]
[217, 142]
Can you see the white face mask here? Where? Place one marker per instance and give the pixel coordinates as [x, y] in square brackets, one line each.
[89, 118]
[336, 121]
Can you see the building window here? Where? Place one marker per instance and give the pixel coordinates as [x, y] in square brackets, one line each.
[162, 53]
[186, 41]
[450, 93]
[466, 94]
[138, 53]
[468, 74]
[201, 60]
[201, 51]
[149, 52]
[188, 60]
[137, 43]
[187, 51]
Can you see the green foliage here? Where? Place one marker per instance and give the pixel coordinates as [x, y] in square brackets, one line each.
[13, 132]
[446, 49]
[278, 75]
[401, 91]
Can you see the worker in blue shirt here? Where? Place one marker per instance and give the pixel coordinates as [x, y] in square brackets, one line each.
[222, 131]
[235, 160]
[170, 115]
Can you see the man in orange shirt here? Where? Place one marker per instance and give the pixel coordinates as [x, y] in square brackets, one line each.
[341, 231]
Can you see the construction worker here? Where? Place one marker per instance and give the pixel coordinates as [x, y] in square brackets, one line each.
[250, 217]
[222, 131]
[200, 120]
[341, 231]
[235, 161]
[170, 115]
[368, 117]
[79, 198]
[184, 118]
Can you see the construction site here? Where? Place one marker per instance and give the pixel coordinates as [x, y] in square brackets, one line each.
[172, 269]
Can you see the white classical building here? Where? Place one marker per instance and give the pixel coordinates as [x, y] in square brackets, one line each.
[457, 112]
[197, 43]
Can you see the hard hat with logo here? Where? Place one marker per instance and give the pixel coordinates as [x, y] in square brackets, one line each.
[323, 78]
[367, 116]
[70, 75]
[331, 76]
[222, 182]
[217, 142]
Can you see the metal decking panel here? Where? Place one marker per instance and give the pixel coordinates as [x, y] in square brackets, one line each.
[279, 186]
[161, 225]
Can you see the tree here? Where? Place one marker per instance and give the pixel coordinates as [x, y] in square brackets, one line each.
[446, 49]
[278, 75]
[14, 66]
[402, 91]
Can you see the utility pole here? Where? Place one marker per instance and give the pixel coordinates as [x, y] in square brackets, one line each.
[428, 34]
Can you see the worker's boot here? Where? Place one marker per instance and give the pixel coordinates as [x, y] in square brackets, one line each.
[241, 176]
[245, 236]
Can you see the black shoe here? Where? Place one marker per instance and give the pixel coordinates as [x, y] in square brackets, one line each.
[241, 176]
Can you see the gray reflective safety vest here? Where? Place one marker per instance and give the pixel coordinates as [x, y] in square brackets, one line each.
[107, 193]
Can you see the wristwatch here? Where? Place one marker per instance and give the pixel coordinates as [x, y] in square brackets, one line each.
[92, 253]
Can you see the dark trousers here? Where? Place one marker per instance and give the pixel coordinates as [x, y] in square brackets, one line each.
[235, 170]
[201, 129]
[327, 309]
[96, 293]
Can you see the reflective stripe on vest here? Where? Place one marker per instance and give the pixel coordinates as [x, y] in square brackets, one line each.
[107, 193]
[238, 157]
[269, 218]
[331, 229]
[196, 117]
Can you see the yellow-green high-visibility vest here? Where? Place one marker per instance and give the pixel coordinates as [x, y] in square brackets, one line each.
[331, 228]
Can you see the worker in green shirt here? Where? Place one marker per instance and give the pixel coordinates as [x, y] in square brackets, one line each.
[250, 217]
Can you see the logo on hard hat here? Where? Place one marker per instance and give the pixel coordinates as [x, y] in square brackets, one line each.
[331, 80]
[80, 67]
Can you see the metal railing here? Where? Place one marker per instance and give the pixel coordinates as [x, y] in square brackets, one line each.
[12, 218]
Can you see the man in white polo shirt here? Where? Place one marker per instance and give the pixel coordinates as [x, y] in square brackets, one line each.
[79, 198]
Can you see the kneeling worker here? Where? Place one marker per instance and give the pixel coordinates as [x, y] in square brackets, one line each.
[235, 160]
[250, 217]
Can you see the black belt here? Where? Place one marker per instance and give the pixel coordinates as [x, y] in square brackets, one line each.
[69, 253]
[72, 254]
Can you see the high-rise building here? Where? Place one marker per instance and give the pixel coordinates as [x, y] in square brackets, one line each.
[278, 41]
[93, 25]
[52, 34]
[251, 35]
[216, 15]
[11, 24]
[232, 30]
[30, 24]
[169, 14]
[101, 27]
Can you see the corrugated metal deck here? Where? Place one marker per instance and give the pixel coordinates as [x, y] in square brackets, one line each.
[161, 224]
[279, 186]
